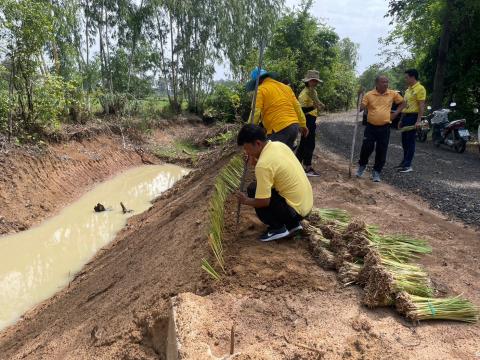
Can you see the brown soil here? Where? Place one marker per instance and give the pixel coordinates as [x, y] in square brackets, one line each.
[283, 304]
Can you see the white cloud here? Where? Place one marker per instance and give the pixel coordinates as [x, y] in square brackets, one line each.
[361, 21]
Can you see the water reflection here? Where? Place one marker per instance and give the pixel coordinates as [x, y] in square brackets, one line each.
[34, 264]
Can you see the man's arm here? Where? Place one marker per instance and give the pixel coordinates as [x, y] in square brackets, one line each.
[421, 97]
[313, 95]
[300, 115]
[253, 202]
[263, 192]
[364, 103]
[421, 110]
[398, 111]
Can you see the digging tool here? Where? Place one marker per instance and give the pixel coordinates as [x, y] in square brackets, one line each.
[355, 129]
[252, 115]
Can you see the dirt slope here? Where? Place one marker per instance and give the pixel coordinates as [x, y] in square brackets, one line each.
[115, 307]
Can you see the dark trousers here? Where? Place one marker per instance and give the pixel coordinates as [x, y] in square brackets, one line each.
[278, 213]
[307, 145]
[408, 139]
[375, 138]
[287, 135]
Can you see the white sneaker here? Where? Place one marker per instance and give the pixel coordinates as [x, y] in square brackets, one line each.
[406, 169]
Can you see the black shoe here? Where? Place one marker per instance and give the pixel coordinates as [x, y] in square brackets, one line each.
[311, 173]
[398, 167]
[275, 234]
[406, 169]
[293, 230]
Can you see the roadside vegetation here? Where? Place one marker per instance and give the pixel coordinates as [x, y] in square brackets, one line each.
[70, 61]
[441, 38]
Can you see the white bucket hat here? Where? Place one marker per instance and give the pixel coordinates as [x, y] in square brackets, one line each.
[312, 75]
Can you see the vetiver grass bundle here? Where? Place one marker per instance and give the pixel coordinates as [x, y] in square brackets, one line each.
[418, 308]
[334, 217]
[400, 248]
[227, 181]
[381, 264]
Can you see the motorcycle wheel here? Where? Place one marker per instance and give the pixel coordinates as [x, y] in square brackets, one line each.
[460, 147]
[422, 136]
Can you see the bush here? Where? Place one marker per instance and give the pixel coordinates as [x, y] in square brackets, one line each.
[224, 104]
[4, 108]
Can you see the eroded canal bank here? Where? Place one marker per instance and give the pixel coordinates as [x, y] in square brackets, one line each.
[38, 262]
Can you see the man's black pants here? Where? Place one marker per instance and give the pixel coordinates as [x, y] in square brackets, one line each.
[278, 213]
[375, 138]
[307, 145]
[287, 135]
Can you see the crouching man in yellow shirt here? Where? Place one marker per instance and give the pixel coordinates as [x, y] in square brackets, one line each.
[281, 194]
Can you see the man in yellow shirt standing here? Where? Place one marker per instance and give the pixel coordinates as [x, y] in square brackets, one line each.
[415, 97]
[378, 102]
[277, 109]
[282, 194]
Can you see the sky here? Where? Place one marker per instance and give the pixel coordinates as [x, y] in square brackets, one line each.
[362, 21]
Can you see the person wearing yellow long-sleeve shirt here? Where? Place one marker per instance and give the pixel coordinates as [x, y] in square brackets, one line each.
[277, 109]
[311, 105]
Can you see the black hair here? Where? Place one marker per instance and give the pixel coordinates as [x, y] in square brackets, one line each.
[286, 82]
[412, 72]
[250, 133]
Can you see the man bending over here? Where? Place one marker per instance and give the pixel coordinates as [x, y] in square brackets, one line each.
[281, 194]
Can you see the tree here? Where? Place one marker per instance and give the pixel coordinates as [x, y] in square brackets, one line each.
[447, 54]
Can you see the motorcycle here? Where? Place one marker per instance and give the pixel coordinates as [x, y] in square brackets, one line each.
[450, 133]
[425, 124]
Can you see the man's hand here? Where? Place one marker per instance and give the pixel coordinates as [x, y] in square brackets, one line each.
[393, 115]
[250, 160]
[242, 198]
[304, 131]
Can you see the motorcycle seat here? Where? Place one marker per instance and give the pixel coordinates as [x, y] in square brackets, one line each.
[459, 122]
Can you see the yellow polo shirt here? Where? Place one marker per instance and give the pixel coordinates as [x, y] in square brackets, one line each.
[308, 98]
[379, 106]
[278, 167]
[278, 106]
[413, 95]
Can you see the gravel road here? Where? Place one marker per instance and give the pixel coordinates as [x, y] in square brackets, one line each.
[450, 182]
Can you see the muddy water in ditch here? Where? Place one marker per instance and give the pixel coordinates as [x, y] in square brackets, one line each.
[38, 262]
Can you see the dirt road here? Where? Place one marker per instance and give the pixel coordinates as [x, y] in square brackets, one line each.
[450, 182]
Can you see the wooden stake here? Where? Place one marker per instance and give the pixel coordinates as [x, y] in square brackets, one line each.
[232, 340]
[355, 129]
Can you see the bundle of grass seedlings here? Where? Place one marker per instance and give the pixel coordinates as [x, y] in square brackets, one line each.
[381, 264]
[418, 308]
[227, 181]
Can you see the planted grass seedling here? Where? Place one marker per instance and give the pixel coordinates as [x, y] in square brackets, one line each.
[227, 181]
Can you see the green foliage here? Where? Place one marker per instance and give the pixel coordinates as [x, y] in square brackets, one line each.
[300, 43]
[226, 183]
[223, 104]
[419, 26]
[222, 138]
[4, 109]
